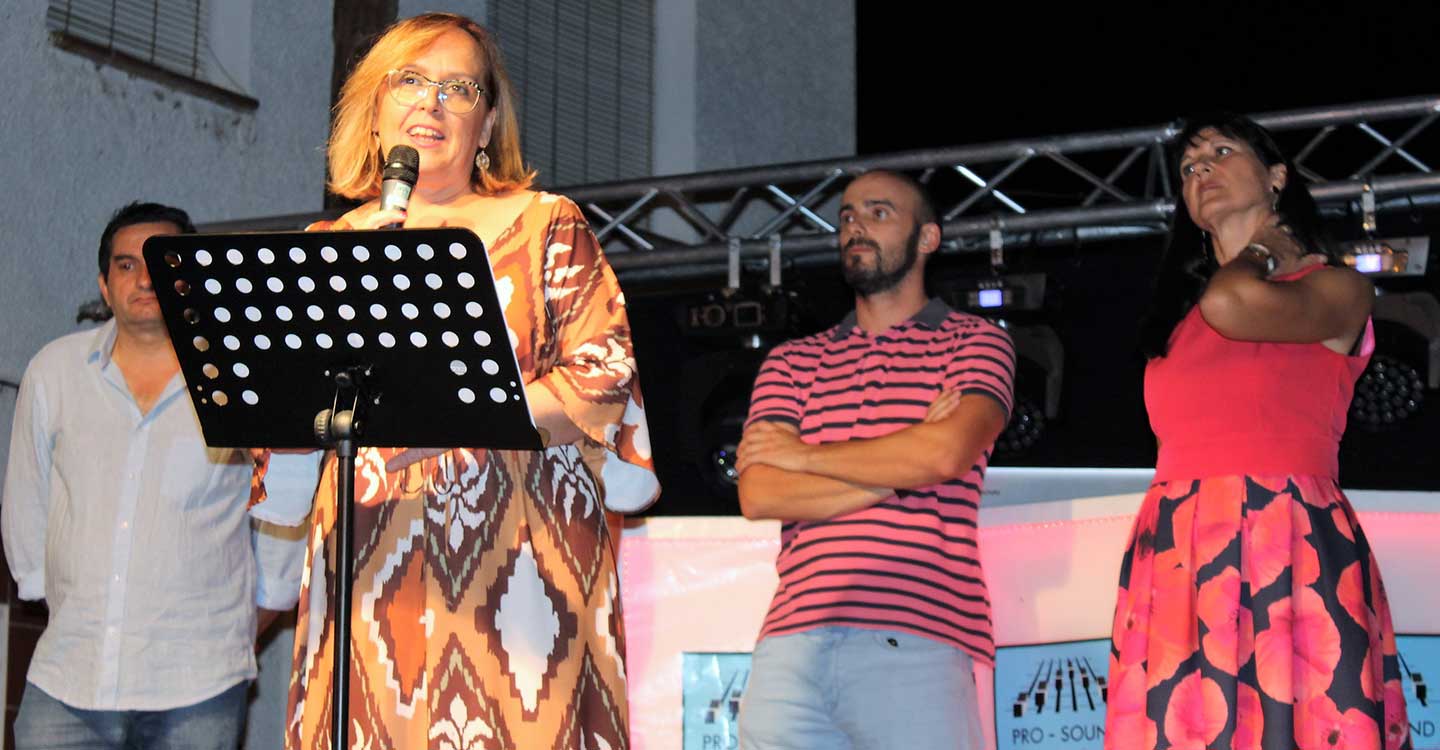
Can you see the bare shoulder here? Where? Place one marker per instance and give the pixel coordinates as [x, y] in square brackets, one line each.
[1346, 298]
[1341, 286]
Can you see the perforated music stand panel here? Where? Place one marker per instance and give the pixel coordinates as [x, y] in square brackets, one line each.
[261, 322]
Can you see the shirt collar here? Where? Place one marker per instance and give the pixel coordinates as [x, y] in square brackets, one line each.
[931, 316]
[101, 354]
[103, 345]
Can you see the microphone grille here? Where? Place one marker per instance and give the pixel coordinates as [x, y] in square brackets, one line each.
[402, 164]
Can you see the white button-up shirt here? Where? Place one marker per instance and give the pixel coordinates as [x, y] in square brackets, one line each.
[137, 536]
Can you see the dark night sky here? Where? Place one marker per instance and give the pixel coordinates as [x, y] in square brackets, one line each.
[971, 73]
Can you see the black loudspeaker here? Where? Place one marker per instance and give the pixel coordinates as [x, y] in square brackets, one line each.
[697, 386]
[1393, 429]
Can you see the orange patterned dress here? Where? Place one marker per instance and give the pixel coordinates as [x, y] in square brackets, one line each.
[486, 610]
[1251, 613]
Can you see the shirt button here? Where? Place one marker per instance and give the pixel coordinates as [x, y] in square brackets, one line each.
[117, 577]
[124, 524]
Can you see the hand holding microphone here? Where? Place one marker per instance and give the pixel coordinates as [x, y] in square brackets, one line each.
[402, 170]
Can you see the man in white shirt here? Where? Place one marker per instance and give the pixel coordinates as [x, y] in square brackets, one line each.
[134, 532]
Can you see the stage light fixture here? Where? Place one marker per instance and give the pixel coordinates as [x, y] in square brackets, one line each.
[1392, 257]
[1039, 376]
[991, 295]
[722, 420]
[1407, 325]
[1408, 322]
[723, 463]
[1026, 427]
[754, 317]
[1406, 362]
[1388, 392]
[1039, 355]
[713, 401]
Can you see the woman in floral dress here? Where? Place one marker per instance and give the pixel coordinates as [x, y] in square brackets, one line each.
[1251, 612]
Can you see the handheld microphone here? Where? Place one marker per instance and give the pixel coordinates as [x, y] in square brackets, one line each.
[402, 169]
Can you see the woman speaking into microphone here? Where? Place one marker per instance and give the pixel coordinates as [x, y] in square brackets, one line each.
[497, 616]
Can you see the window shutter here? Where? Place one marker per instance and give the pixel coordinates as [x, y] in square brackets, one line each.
[582, 74]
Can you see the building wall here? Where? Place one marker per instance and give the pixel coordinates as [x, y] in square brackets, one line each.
[82, 139]
[476, 9]
[743, 83]
[775, 82]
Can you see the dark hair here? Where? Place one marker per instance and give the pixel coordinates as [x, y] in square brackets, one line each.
[138, 213]
[925, 207]
[1189, 260]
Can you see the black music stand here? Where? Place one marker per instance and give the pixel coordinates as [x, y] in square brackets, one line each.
[298, 339]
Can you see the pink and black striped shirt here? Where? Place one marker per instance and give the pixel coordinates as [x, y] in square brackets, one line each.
[911, 562]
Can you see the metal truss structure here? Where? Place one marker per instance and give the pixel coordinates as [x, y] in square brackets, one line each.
[1036, 192]
[1043, 191]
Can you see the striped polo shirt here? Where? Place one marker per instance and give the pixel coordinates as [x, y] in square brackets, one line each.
[910, 562]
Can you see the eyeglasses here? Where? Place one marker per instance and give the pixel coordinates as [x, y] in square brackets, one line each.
[408, 87]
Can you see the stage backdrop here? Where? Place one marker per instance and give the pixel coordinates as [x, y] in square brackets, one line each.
[696, 589]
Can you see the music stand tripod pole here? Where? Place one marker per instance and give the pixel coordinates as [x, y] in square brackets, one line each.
[340, 429]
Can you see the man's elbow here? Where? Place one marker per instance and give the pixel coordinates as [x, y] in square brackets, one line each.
[753, 498]
[752, 513]
[952, 463]
[957, 455]
[749, 505]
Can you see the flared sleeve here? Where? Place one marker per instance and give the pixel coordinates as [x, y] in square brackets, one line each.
[594, 374]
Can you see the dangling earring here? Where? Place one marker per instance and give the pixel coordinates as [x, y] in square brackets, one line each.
[482, 161]
[1275, 206]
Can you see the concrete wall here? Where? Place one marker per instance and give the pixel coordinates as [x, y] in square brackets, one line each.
[748, 82]
[776, 82]
[81, 139]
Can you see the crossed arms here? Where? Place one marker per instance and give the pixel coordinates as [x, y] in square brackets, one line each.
[784, 478]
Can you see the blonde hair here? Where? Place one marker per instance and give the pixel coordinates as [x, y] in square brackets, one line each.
[355, 160]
